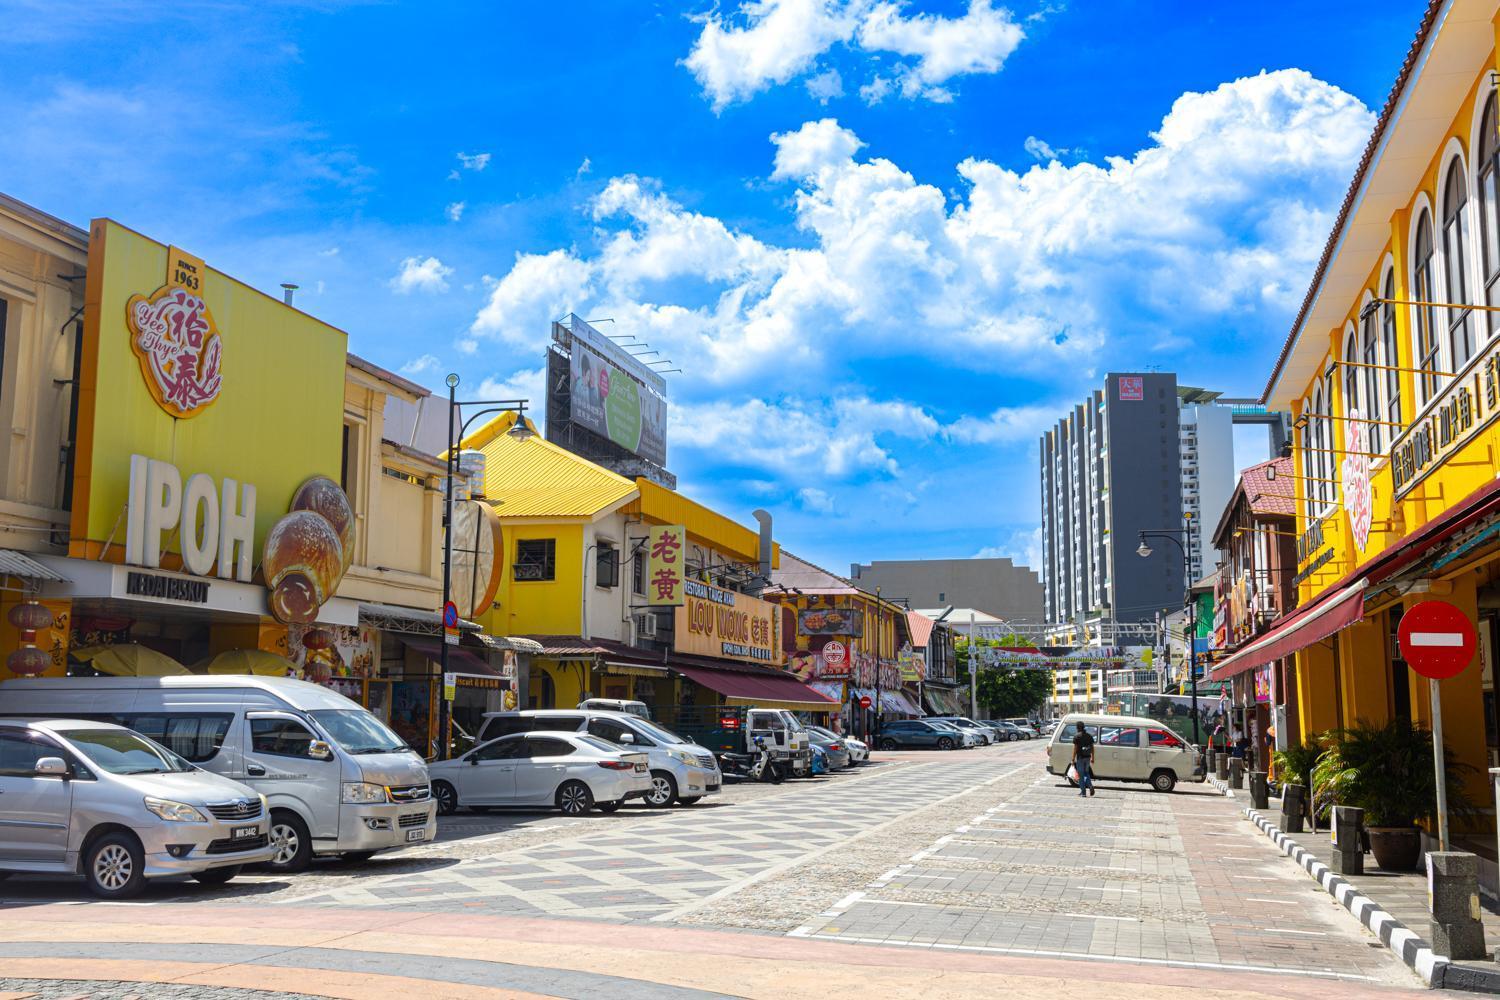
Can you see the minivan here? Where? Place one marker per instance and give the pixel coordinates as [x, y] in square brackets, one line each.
[336, 779]
[93, 799]
[636, 708]
[681, 770]
[1127, 748]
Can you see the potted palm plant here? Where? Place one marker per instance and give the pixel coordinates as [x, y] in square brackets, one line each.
[1294, 765]
[1387, 771]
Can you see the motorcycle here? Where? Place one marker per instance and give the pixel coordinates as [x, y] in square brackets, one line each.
[757, 766]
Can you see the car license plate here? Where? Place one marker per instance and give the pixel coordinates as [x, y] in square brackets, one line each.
[413, 835]
[244, 832]
[640, 768]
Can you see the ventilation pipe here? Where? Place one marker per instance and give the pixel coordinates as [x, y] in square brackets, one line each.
[287, 291]
[764, 518]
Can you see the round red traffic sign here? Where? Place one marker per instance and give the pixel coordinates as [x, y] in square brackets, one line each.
[834, 653]
[864, 701]
[1437, 639]
[450, 615]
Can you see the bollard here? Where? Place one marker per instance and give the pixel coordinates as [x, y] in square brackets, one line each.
[1236, 772]
[1453, 892]
[1221, 766]
[1260, 795]
[1293, 798]
[1348, 841]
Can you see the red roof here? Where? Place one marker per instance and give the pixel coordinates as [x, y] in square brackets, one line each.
[1267, 496]
[920, 627]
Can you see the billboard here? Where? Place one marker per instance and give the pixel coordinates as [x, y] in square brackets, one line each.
[714, 622]
[614, 404]
[831, 621]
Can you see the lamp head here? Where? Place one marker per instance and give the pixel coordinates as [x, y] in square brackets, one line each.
[452, 380]
[521, 430]
[1144, 550]
[1271, 473]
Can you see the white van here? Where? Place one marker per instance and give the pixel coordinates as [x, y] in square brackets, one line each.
[337, 780]
[1127, 748]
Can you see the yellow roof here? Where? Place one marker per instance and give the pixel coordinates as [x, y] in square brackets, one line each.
[663, 506]
[536, 478]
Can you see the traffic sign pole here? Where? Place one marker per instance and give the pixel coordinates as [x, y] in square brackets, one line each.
[1440, 766]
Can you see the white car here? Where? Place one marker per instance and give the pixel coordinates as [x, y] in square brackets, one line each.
[573, 772]
[859, 751]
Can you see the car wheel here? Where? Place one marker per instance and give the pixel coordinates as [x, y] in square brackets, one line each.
[574, 798]
[292, 842]
[1163, 781]
[609, 807]
[944, 743]
[888, 745]
[1012, 737]
[663, 790]
[114, 866]
[447, 798]
[217, 876]
[690, 800]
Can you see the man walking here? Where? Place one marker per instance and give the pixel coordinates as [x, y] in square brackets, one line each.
[1083, 759]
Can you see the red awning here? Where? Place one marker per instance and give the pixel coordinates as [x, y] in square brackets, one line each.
[756, 687]
[460, 661]
[1302, 628]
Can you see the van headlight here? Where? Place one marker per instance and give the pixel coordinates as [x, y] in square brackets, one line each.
[174, 812]
[362, 792]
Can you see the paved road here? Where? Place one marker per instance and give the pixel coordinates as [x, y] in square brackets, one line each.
[926, 875]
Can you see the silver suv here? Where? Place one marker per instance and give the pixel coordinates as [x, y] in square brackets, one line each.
[681, 771]
[104, 802]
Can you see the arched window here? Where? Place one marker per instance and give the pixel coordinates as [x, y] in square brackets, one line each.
[1352, 382]
[1423, 289]
[1329, 465]
[1318, 426]
[1489, 208]
[1390, 355]
[1370, 356]
[1456, 266]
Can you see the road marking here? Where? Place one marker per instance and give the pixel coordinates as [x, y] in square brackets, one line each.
[1258, 878]
[1278, 902]
[1107, 868]
[1105, 888]
[1097, 916]
[956, 857]
[1279, 930]
[941, 878]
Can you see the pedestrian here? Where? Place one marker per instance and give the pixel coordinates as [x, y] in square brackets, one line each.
[1083, 759]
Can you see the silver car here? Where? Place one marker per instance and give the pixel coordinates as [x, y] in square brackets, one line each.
[574, 772]
[101, 801]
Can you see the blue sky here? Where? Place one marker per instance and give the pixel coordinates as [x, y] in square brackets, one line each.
[888, 243]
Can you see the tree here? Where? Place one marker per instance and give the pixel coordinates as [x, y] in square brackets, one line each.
[1009, 693]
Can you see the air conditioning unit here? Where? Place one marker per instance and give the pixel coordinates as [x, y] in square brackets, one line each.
[645, 626]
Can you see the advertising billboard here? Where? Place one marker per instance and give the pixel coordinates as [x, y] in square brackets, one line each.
[723, 623]
[615, 405]
[831, 621]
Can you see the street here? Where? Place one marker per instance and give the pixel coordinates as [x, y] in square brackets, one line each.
[920, 874]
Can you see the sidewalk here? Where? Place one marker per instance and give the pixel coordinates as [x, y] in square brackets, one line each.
[1393, 905]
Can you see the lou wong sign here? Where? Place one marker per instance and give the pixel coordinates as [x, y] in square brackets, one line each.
[714, 622]
[1465, 407]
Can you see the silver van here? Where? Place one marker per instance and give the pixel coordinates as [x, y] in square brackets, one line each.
[79, 797]
[337, 780]
[681, 770]
[1127, 748]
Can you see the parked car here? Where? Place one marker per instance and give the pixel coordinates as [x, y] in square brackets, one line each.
[1008, 731]
[574, 772]
[905, 734]
[819, 760]
[967, 737]
[636, 708]
[91, 798]
[734, 729]
[1026, 726]
[1128, 748]
[984, 735]
[681, 771]
[336, 779]
[859, 751]
[833, 749]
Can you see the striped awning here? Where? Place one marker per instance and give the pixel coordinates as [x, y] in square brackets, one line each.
[13, 563]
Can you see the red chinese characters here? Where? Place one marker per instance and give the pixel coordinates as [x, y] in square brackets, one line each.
[174, 337]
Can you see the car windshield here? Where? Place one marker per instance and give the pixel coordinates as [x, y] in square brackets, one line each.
[598, 744]
[120, 751]
[657, 733]
[793, 723]
[357, 731]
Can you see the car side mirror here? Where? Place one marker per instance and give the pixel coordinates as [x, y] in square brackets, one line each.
[320, 750]
[51, 767]
[627, 737]
[474, 759]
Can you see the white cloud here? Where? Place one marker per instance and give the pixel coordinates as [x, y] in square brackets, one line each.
[421, 275]
[769, 42]
[1007, 425]
[585, 167]
[816, 500]
[826, 86]
[455, 210]
[528, 384]
[421, 366]
[473, 161]
[1024, 548]
[538, 289]
[812, 148]
[1040, 149]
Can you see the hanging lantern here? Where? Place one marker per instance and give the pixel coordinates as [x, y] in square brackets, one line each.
[28, 662]
[318, 638]
[30, 616]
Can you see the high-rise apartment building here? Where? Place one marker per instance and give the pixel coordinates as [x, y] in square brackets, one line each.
[1137, 455]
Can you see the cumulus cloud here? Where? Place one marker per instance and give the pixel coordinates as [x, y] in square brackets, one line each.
[455, 210]
[1041, 149]
[421, 366]
[764, 43]
[1024, 548]
[473, 161]
[421, 275]
[818, 501]
[538, 289]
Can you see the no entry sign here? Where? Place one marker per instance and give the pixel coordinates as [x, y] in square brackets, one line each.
[1437, 639]
[864, 701]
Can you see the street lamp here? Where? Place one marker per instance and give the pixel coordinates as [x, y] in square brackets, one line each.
[1190, 628]
[520, 431]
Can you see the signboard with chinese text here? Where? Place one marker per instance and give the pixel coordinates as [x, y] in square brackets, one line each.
[665, 554]
[1354, 478]
[1132, 387]
[1464, 408]
[913, 665]
[723, 623]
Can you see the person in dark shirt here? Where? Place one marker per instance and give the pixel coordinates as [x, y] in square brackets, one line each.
[1083, 760]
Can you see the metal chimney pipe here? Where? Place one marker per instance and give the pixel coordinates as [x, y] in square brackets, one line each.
[287, 291]
[764, 518]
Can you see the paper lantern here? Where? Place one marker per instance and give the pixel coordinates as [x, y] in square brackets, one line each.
[28, 662]
[318, 638]
[30, 616]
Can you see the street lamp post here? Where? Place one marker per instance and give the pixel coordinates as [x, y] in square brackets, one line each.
[521, 430]
[1190, 626]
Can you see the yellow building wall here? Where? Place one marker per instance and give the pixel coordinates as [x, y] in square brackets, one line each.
[540, 607]
[52, 640]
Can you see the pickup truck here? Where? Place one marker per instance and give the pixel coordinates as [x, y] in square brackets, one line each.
[732, 728]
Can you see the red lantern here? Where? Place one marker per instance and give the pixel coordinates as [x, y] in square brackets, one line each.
[28, 662]
[30, 616]
[318, 638]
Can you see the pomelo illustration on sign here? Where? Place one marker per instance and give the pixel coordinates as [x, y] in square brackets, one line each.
[1354, 476]
[173, 336]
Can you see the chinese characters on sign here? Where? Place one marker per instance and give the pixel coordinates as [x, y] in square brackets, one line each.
[175, 340]
[714, 622]
[665, 552]
[1132, 387]
[1354, 473]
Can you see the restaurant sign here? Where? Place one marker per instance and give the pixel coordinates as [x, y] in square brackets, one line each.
[723, 623]
[831, 621]
[1465, 407]
[664, 570]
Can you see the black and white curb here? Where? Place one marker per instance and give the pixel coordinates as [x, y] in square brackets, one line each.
[1436, 970]
[1222, 786]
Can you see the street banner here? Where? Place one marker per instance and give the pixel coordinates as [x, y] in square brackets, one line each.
[664, 565]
